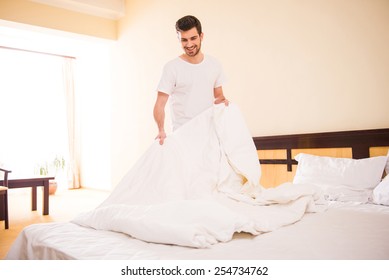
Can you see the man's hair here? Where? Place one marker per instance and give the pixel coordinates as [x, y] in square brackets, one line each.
[188, 22]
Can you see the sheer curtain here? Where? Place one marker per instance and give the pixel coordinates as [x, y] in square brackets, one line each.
[72, 124]
[38, 119]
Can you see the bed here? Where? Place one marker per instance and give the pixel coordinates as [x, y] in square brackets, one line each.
[353, 225]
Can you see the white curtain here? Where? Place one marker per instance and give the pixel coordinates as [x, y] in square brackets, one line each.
[72, 124]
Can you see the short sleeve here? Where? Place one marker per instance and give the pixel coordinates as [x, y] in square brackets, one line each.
[167, 81]
[221, 78]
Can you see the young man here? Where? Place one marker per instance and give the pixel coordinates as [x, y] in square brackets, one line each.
[193, 81]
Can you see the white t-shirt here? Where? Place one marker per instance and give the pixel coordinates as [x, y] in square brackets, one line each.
[190, 87]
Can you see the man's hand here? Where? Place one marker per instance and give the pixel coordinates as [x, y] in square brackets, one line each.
[219, 96]
[225, 101]
[159, 115]
[161, 136]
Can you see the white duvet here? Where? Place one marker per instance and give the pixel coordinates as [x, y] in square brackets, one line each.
[199, 188]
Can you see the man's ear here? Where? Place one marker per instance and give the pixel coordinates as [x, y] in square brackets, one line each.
[201, 35]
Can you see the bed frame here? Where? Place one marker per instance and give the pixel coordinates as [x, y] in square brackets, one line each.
[360, 141]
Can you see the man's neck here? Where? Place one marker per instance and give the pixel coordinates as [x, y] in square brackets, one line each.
[198, 58]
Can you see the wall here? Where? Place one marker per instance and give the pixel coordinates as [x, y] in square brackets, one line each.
[294, 66]
[32, 13]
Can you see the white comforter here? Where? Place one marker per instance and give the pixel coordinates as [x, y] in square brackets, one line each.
[199, 188]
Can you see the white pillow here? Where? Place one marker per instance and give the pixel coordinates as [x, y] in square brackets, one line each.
[387, 164]
[381, 192]
[329, 171]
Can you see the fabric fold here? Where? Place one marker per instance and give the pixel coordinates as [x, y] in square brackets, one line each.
[199, 188]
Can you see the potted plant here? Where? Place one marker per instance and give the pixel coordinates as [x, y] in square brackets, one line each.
[52, 168]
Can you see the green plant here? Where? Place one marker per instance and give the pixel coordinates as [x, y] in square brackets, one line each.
[43, 169]
[51, 168]
[58, 163]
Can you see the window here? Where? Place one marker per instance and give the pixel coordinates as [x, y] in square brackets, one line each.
[35, 108]
[32, 110]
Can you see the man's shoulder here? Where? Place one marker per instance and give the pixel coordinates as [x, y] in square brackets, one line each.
[173, 61]
[172, 65]
[212, 59]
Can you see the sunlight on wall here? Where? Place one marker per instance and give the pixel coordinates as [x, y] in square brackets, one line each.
[292, 66]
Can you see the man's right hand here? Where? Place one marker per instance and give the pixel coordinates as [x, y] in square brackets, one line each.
[161, 136]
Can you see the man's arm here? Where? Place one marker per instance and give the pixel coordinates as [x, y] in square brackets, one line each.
[219, 96]
[159, 115]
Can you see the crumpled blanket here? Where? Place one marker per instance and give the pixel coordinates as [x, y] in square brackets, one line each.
[199, 188]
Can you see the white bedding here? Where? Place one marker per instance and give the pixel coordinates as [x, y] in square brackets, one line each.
[344, 231]
[199, 188]
[198, 197]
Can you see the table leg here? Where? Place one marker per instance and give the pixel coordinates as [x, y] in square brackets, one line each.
[46, 198]
[33, 198]
[2, 208]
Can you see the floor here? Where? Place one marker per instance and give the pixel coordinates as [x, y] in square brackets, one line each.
[64, 205]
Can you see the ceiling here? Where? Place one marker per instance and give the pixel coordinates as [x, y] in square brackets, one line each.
[111, 9]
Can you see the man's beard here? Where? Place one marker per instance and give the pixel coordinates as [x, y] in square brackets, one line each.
[193, 52]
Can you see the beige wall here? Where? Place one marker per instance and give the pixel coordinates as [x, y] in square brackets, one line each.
[27, 12]
[294, 66]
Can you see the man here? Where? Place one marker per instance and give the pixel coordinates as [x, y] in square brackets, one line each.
[193, 81]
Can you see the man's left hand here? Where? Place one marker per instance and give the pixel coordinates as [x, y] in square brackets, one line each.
[225, 101]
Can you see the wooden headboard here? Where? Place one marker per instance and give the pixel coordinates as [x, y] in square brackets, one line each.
[359, 142]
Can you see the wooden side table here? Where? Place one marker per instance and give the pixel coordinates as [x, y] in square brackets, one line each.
[33, 183]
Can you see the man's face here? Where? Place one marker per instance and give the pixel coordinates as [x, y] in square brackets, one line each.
[190, 41]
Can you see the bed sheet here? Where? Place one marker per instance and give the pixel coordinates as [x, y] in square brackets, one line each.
[345, 231]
